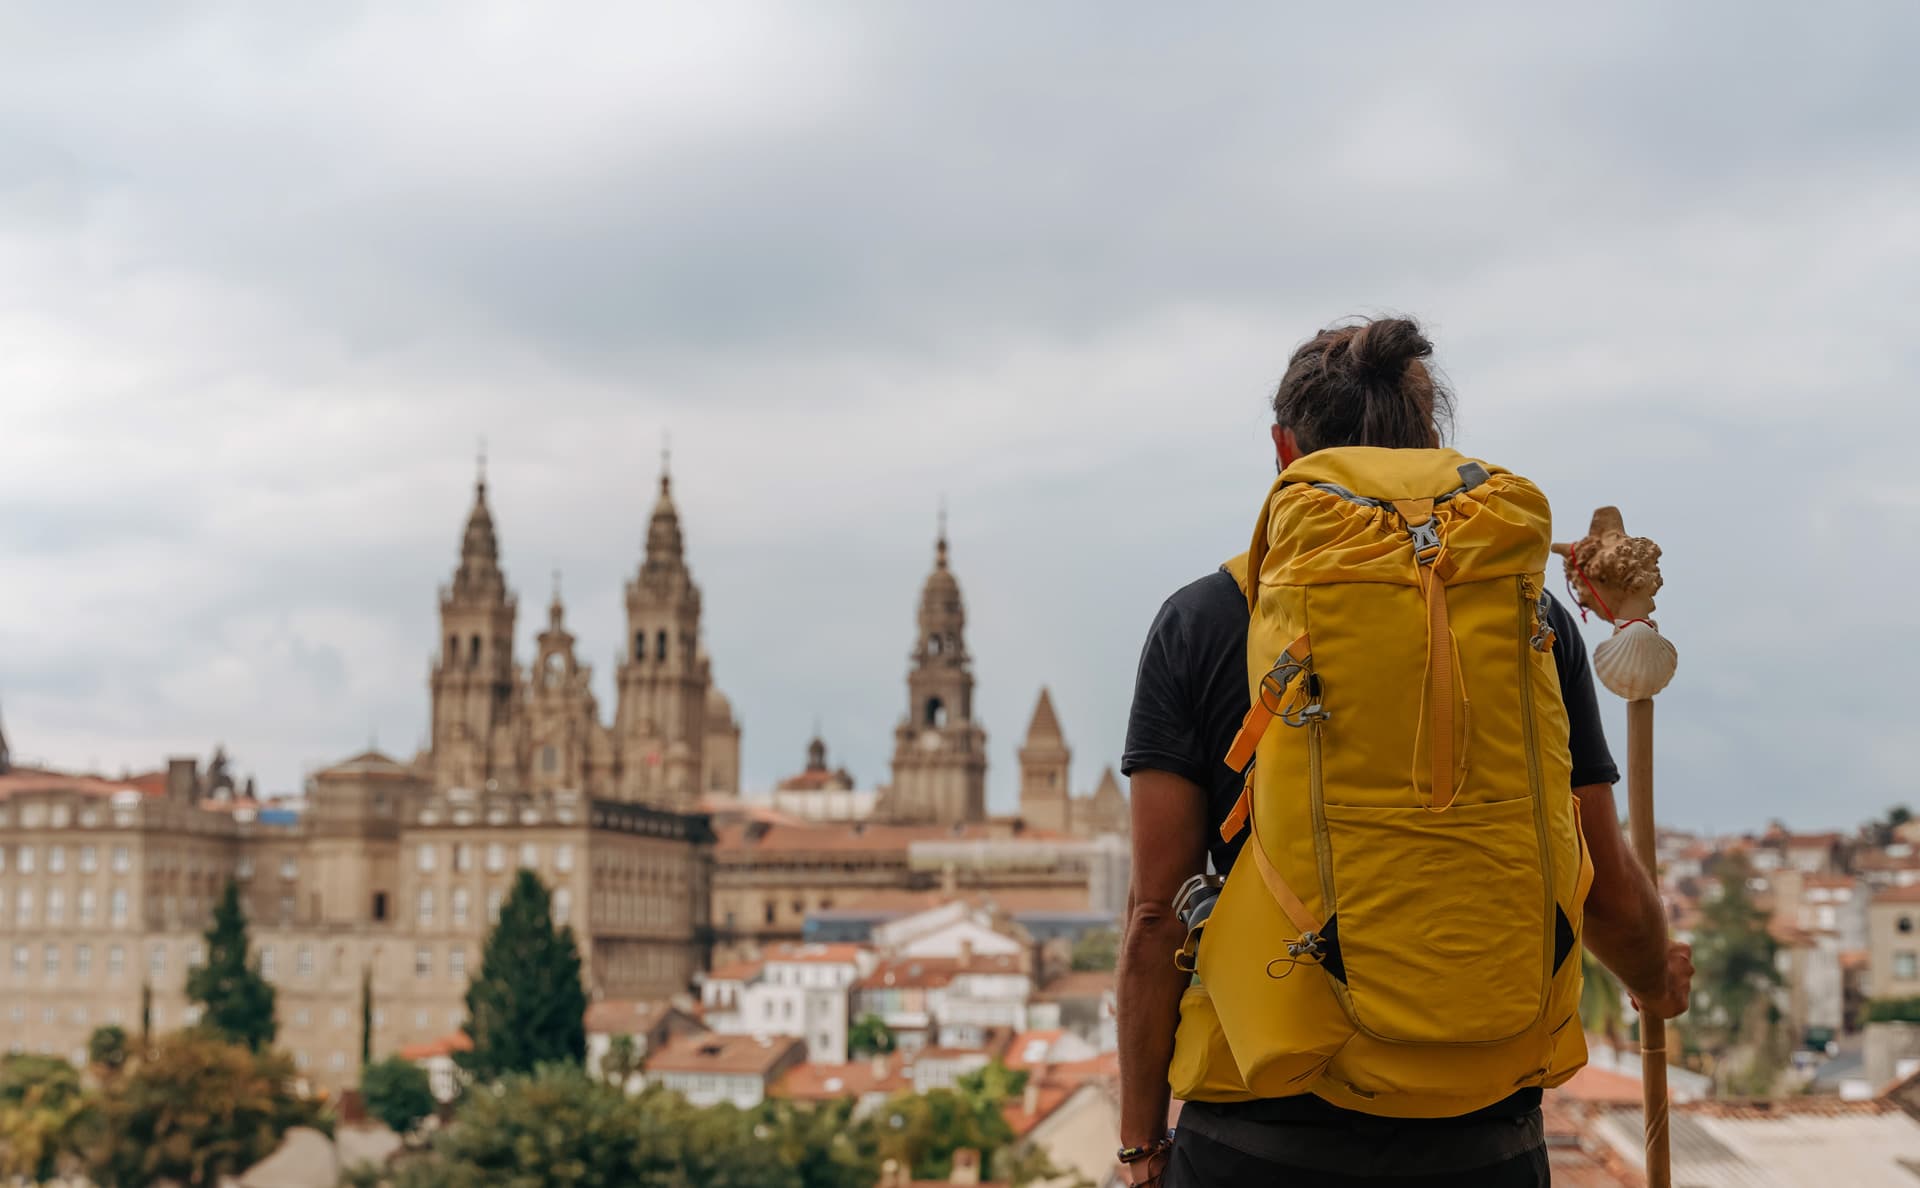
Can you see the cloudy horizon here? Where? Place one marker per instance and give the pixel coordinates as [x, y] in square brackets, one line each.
[268, 277]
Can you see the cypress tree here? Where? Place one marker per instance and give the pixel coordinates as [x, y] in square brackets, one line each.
[526, 1006]
[237, 997]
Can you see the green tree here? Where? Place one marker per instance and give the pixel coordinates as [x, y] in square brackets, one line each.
[620, 1061]
[526, 1007]
[194, 1109]
[41, 1106]
[107, 1048]
[923, 1131]
[1097, 950]
[398, 1093]
[870, 1036]
[1602, 1006]
[559, 1128]
[1733, 953]
[819, 1141]
[237, 996]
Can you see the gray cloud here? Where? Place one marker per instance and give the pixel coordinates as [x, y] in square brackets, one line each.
[265, 278]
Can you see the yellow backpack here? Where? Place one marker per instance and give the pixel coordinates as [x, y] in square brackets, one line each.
[1400, 934]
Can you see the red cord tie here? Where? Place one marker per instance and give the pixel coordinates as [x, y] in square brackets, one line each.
[1573, 560]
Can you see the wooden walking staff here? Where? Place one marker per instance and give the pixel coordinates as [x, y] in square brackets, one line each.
[1616, 576]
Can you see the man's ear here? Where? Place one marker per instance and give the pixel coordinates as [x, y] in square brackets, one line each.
[1286, 447]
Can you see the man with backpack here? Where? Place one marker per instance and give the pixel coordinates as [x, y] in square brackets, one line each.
[1380, 733]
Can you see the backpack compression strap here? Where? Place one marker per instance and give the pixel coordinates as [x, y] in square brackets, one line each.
[1268, 705]
[1417, 514]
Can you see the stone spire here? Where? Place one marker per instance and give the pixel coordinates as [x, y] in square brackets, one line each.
[1045, 765]
[1045, 727]
[939, 755]
[478, 578]
[666, 548]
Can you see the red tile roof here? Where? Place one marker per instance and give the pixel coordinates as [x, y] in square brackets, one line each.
[858, 1078]
[1080, 984]
[1907, 894]
[31, 779]
[927, 972]
[1602, 1085]
[446, 1045]
[735, 1054]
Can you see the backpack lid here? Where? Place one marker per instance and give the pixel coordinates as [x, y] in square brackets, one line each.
[1387, 474]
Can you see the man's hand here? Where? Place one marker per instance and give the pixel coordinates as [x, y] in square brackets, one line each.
[1146, 1173]
[1672, 1000]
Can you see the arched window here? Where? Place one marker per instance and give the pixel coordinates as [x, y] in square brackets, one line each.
[936, 712]
[473, 656]
[660, 645]
[639, 645]
[934, 644]
[453, 649]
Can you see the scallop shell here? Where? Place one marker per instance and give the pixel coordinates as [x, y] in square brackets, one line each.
[1635, 662]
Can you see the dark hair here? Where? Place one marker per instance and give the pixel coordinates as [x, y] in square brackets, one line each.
[1366, 383]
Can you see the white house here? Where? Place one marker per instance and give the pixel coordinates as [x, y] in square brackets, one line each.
[949, 931]
[802, 990]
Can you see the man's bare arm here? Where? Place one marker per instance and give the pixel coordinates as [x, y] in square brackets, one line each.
[1626, 924]
[1169, 847]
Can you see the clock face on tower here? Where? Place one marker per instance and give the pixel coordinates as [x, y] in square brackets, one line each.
[929, 740]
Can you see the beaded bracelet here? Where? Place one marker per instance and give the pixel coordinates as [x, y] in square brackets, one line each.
[1137, 1154]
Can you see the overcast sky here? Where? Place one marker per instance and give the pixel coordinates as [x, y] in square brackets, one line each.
[268, 274]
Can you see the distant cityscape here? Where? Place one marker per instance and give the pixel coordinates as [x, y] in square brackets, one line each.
[752, 948]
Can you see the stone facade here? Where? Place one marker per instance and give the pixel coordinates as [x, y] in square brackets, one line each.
[392, 873]
[673, 737]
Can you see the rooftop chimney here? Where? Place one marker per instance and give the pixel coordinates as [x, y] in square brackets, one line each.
[183, 779]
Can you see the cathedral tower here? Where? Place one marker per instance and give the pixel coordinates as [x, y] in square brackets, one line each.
[473, 679]
[568, 748]
[660, 725]
[1044, 760]
[940, 752]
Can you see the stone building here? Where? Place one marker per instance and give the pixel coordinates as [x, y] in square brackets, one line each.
[673, 737]
[1046, 799]
[940, 751]
[393, 872]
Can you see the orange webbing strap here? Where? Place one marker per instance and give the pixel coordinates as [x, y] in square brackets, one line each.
[1276, 886]
[1241, 810]
[1440, 665]
[1266, 702]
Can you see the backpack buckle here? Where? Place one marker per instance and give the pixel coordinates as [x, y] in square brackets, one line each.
[1426, 540]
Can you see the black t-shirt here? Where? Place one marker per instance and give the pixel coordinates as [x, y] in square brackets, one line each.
[1190, 695]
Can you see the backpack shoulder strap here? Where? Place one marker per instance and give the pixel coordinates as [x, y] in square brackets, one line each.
[1239, 567]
